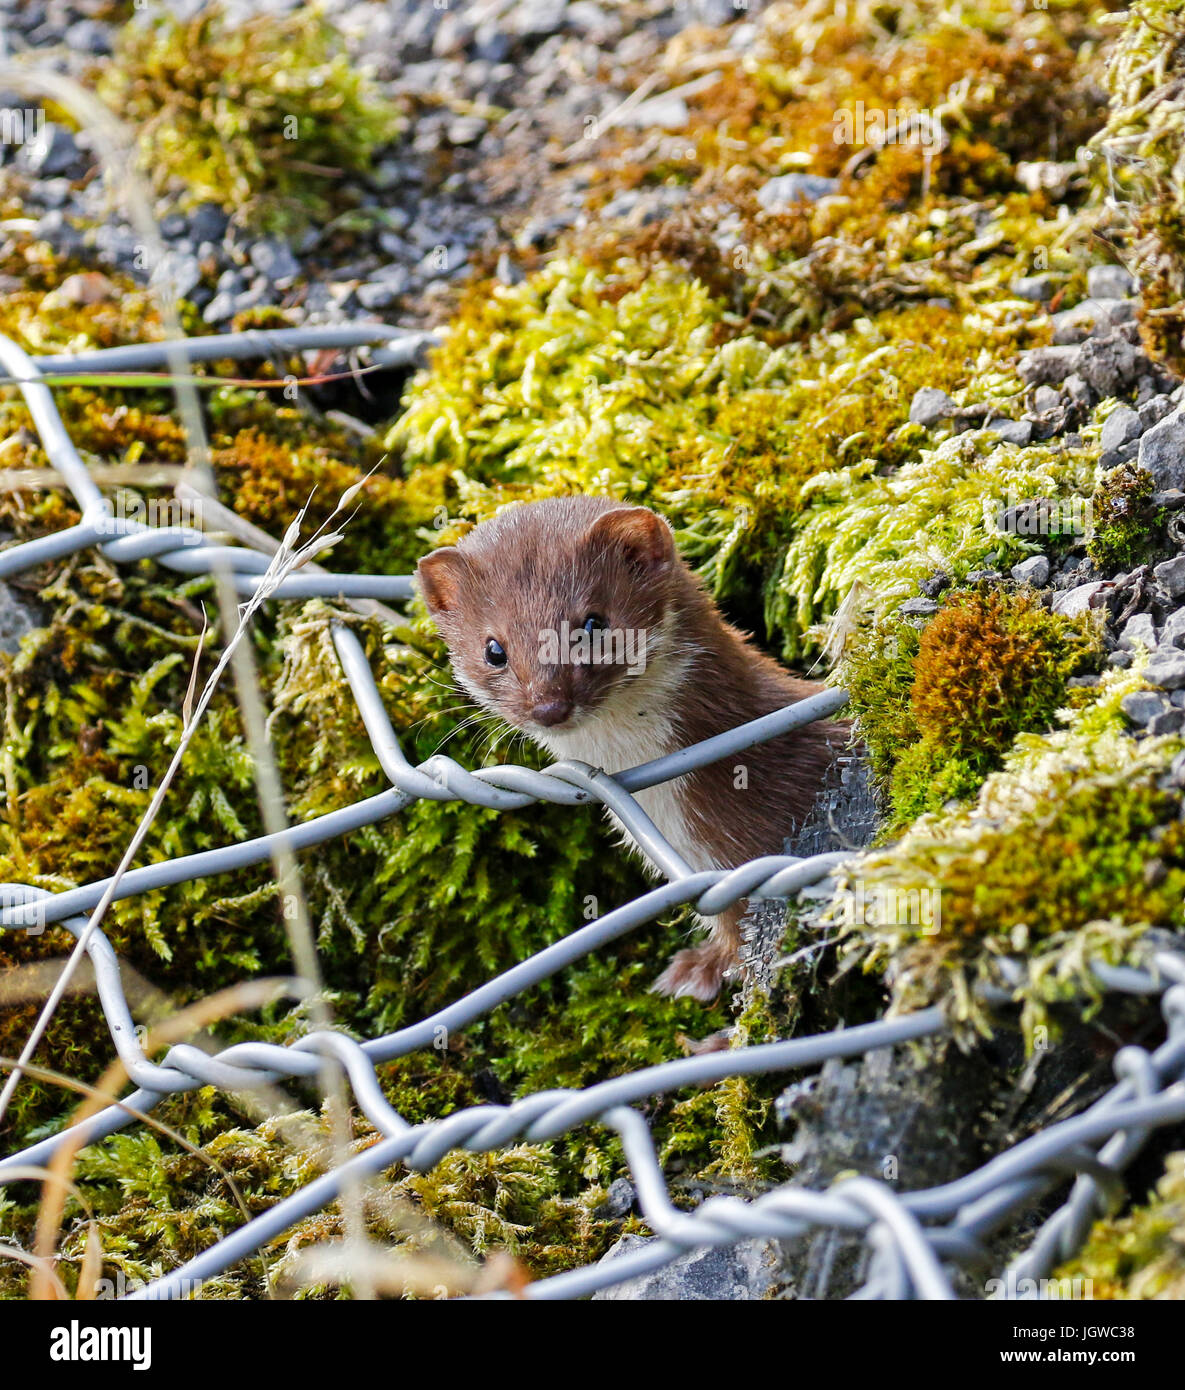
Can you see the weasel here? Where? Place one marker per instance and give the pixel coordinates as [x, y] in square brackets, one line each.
[575, 620]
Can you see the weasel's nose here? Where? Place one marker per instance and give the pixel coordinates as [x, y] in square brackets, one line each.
[549, 712]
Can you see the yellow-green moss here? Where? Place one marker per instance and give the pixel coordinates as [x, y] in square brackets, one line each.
[1139, 164]
[1140, 1255]
[940, 709]
[263, 116]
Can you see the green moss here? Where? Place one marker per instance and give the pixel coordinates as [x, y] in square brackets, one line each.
[1050, 862]
[1124, 521]
[939, 709]
[875, 536]
[1142, 1254]
[263, 116]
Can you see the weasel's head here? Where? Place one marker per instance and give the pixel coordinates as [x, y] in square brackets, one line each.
[551, 606]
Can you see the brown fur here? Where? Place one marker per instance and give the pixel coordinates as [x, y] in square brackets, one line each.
[536, 564]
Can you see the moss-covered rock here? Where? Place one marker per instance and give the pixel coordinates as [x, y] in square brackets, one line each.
[1069, 853]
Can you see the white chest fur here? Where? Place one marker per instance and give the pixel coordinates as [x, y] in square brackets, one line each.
[635, 726]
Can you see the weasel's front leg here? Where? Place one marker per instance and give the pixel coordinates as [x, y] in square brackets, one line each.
[698, 972]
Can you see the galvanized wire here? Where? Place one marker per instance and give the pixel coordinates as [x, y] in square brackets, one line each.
[916, 1238]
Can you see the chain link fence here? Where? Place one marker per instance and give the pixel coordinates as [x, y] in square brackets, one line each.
[915, 1239]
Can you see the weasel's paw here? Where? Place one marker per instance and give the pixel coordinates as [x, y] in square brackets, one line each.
[695, 973]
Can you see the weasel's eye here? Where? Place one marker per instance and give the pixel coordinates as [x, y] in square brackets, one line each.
[594, 623]
[495, 653]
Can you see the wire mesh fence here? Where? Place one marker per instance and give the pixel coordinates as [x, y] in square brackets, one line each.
[915, 1239]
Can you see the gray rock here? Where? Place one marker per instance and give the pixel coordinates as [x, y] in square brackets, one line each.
[1177, 770]
[1112, 458]
[88, 36]
[666, 112]
[1034, 570]
[1111, 364]
[1154, 410]
[1122, 425]
[1109, 282]
[16, 619]
[1091, 316]
[63, 236]
[1071, 603]
[929, 406]
[1142, 706]
[1166, 669]
[181, 273]
[207, 222]
[729, 1273]
[491, 44]
[1077, 391]
[1019, 432]
[1040, 366]
[51, 193]
[381, 294]
[1169, 721]
[918, 608]
[118, 245]
[984, 576]
[619, 1200]
[1173, 632]
[1045, 399]
[221, 309]
[465, 130]
[1121, 659]
[1138, 630]
[274, 260]
[778, 194]
[1170, 575]
[538, 18]
[1037, 289]
[53, 150]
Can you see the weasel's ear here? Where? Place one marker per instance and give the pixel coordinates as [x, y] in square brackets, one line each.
[643, 536]
[439, 575]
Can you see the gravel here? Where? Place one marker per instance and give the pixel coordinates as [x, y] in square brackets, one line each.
[1162, 451]
[779, 194]
[929, 406]
[1166, 668]
[1121, 426]
[1109, 282]
[1142, 706]
[1034, 570]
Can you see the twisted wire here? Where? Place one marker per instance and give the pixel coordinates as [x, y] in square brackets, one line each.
[917, 1239]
